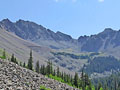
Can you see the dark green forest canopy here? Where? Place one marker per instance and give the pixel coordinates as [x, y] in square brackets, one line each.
[101, 64]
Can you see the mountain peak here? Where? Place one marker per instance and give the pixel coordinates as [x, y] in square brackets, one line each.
[20, 20]
[6, 21]
[23, 21]
[64, 36]
[108, 30]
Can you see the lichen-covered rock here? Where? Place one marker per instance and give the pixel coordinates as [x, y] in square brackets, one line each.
[14, 77]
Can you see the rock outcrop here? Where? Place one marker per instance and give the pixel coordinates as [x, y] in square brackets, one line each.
[14, 77]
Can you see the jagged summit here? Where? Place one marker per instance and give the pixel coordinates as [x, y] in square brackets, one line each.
[103, 41]
[108, 31]
[6, 20]
[37, 33]
[32, 31]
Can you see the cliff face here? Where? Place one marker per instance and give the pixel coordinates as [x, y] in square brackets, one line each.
[14, 77]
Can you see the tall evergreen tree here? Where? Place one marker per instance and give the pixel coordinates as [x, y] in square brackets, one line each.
[65, 77]
[54, 73]
[71, 79]
[105, 87]
[20, 63]
[51, 68]
[4, 54]
[37, 67]
[99, 86]
[83, 79]
[86, 80]
[24, 65]
[12, 58]
[90, 86]
[76, 78]
[58, 72]
[30, 61]
[15, 61]
[48, 68]
[43, 70]
[62, 76]
[115, 86]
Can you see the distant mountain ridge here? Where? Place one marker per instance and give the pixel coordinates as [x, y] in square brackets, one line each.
[107, 41]
[100, 41]
[32, 31]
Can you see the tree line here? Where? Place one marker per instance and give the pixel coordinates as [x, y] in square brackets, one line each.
[82, 82]
[49, 71]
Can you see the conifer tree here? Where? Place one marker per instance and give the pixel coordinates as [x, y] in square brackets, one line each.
[54, 73]
[24, 65]
[20, 63]
[62, 76]
[90, 86]
[48, 68]
[30, 61]
[4, 54]
[71, 79]
[119, 84]
[65, 77]
[43, 70]
[15, 61]
[83, 79]
[76, 78]
[86, 81]
[51, 68]
[58, 72]
[105, 87]
[99, 86]
[37, 67]
[115, 86]
[12, 58]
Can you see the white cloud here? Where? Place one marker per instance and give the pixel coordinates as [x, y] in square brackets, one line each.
[101, 0]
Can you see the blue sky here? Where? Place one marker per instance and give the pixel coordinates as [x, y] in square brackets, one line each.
[73, 17]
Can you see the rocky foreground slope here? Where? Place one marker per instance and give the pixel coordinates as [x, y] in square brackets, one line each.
[14, 77]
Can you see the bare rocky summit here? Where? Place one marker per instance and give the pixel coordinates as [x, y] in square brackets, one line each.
[107, 41]
[15, 77]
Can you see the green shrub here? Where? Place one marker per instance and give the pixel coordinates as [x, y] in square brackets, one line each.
[56, 78]
[44, 88]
